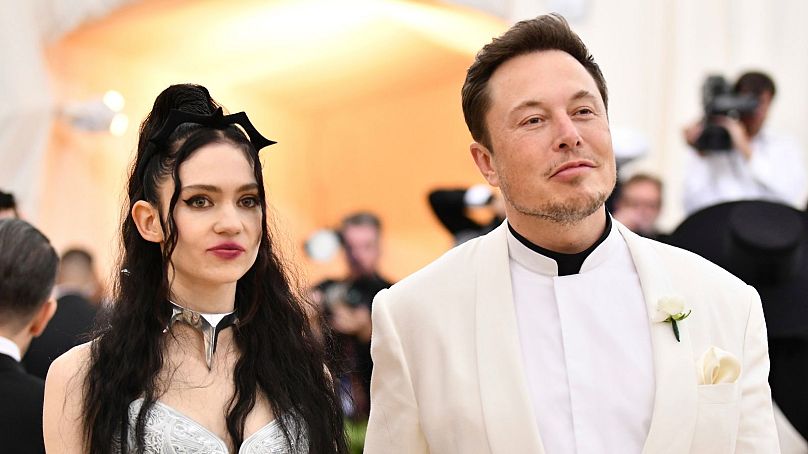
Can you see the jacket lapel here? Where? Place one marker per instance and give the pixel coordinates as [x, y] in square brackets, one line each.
[674, 416]
[507, 412]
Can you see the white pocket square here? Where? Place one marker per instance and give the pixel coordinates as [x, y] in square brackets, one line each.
[718, 366]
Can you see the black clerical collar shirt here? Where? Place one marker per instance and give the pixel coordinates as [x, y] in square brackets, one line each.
[567, 263]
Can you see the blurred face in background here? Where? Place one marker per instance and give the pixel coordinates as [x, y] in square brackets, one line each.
[754, 121]
[362, 249]
[639, 205]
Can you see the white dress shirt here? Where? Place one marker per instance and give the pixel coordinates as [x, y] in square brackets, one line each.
[776, 172]
[10, 348]
[586, 348]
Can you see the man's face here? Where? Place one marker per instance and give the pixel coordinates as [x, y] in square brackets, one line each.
[640, 203]
[551, 146]
[7, 213]
[361, 248]
[754, 121]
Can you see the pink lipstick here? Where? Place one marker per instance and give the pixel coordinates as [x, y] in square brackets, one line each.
[227, 251]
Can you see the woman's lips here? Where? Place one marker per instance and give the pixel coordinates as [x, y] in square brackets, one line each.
[227, 251]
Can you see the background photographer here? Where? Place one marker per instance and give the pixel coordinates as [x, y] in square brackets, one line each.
[345, 303]
[754, 164]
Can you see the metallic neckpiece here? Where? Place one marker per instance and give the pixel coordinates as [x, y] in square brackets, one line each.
[203, 324]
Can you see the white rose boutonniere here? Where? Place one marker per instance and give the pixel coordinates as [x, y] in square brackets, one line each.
[671, 309]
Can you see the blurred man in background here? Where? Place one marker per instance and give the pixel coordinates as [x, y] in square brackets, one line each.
[757, 164]
[78, 293]
[361, 238]
[346, 304]
[639, 203]
[28, 266]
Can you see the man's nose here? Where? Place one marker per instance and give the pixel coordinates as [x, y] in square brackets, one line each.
[567, 136]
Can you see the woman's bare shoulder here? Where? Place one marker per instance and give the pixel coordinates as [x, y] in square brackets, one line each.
[64, 395]
[70, 363]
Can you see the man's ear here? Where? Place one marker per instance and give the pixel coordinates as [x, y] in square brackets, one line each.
[484, 160]
[147, 220]
[42, 317]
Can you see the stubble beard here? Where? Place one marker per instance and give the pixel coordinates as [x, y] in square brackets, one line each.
[562, 212]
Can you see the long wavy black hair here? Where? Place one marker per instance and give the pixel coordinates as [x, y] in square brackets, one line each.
[280, 356]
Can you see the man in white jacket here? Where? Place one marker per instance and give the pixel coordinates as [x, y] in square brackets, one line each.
[561, 331]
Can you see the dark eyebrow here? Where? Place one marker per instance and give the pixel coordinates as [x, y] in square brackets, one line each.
[581, 94]
[216, 189]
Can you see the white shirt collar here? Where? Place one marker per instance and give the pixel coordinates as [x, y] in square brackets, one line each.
[10, 348]
[541, 264]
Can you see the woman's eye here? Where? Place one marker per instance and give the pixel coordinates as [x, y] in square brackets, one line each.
[197, 202]
[249, 202]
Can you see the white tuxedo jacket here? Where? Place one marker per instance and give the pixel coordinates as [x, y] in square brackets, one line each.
[448, 374]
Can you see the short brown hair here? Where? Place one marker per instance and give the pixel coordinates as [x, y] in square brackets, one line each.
[643, 178]
[756, 83]
[548, 32]
[361, 218]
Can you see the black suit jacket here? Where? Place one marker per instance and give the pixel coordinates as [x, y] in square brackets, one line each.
[21, 396]
[73, 319]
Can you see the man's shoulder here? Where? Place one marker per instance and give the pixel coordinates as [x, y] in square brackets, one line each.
[17, 384]
[778, 144]
[683, 263]
[448, 278]
[21, 402]
[713, 292]
[449, 267]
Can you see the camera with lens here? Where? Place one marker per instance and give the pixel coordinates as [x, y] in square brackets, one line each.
[719, 99]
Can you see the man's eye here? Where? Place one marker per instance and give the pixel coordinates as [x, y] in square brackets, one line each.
[533, 121]
[585, 111]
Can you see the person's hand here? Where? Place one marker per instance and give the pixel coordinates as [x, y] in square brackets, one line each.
[351, 320]
[737, 132]
[692, 133]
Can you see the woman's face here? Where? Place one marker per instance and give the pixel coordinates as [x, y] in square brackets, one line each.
[217, 216]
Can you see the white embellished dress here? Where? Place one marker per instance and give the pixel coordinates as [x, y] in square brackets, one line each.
[168, 431]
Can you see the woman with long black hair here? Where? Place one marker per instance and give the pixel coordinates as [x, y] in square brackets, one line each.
[207, 348]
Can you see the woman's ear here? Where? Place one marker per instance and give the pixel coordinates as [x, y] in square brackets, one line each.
[147, 220]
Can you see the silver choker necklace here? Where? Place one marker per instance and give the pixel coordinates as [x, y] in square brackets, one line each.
[209, 325]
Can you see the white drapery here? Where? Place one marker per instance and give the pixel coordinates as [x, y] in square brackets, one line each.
[27, 108]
